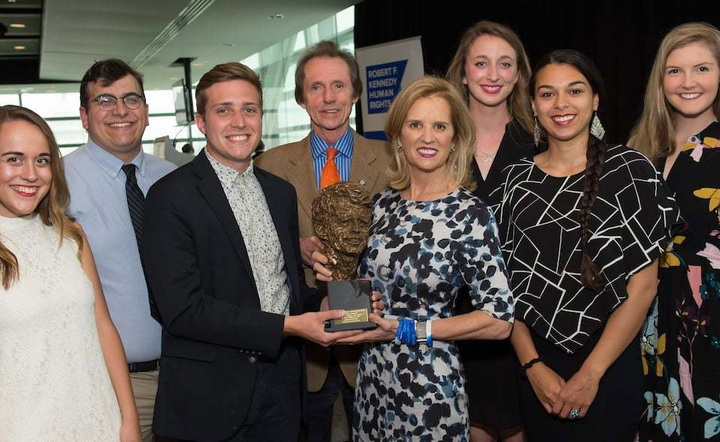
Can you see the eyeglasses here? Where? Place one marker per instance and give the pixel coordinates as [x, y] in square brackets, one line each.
[109, 102]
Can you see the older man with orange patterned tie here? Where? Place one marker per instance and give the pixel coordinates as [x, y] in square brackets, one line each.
[327, 85]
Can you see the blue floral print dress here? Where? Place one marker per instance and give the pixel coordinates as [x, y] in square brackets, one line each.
[419, 255]
[681, 338]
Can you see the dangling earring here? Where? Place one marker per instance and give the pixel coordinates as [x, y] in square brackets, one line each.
[399, 147]
[536, 133]
[596, 128]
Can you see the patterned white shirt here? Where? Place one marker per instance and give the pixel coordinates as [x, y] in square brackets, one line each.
[252, 215]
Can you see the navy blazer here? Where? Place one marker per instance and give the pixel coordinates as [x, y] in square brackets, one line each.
[202, 283]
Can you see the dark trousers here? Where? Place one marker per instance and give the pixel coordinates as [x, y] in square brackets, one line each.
[320, 405]
[276, 405]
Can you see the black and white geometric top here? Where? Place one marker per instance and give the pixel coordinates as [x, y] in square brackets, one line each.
[541, 238]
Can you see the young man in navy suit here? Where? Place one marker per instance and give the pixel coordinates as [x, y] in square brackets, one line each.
[222, 258]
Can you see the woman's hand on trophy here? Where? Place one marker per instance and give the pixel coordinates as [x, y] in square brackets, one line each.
[385, 331]
[378, 306]
[322, 273]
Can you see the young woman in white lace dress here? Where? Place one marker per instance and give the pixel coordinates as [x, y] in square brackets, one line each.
[63, 373]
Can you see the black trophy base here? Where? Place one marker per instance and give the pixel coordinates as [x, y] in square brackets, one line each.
[355, 297]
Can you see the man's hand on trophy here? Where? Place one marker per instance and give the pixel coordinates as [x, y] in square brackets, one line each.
[308, 246]
[319, 260]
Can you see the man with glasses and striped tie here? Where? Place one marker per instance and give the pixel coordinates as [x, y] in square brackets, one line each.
[108, 178]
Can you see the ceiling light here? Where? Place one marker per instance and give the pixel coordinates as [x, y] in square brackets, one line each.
[19, 48]
[17, 25]
[277, 16]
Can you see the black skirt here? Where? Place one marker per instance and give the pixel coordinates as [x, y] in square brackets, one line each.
[614, 414]
[492, 380]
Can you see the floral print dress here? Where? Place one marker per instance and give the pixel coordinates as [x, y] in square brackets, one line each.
[419, 255]
[681, 339]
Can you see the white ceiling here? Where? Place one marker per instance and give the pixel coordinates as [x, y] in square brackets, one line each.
[77, 33]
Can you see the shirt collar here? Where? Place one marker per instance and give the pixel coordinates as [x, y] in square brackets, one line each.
[111, 164]
[344, 145]
[226, 174]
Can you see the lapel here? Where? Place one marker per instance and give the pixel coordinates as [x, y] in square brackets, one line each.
[480, 190]
[211, 189]
[280, 207]
[362, 164]
[301, 175]
[504, 156]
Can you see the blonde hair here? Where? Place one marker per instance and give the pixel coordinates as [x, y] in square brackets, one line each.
[518, 100]
[463, 142]
[654, 133]
[52, 207]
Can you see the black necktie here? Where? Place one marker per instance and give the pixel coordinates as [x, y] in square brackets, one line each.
[136, 206]
[135, 202]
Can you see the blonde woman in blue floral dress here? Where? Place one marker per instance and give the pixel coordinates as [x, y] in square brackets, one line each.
[429, 237]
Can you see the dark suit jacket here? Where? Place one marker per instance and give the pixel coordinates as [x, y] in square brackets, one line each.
[213, 329]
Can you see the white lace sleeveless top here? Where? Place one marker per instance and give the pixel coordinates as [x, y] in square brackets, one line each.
[54, 384]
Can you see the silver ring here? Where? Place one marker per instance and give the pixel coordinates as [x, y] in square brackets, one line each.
[574, 414]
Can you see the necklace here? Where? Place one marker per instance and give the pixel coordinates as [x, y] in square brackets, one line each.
[484, 157]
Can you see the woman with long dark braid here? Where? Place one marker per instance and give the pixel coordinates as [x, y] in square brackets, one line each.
[583, 224]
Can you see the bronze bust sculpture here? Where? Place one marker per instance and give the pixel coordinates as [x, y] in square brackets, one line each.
[341, 217]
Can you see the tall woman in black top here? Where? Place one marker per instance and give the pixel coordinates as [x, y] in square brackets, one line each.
[491, 71]
[583, 224]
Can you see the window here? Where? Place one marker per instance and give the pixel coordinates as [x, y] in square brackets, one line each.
[284, 120]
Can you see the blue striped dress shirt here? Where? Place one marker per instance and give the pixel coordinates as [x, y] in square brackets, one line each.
[343, 160]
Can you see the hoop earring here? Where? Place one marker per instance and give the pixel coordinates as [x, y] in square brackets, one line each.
[596, 128]
[536, 132]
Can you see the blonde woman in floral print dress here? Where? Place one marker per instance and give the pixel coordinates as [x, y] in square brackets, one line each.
[429, 238]
[681, 339]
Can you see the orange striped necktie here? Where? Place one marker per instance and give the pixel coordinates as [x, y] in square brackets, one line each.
[330, 174]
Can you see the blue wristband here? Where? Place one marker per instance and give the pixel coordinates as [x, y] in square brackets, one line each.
[401, 334]
[398, 331]
[428, 336]
[412, 339]
[406, 332]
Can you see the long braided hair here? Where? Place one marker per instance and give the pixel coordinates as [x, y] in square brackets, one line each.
[595, 154]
